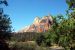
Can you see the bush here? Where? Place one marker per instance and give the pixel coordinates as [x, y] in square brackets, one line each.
[23, 46]
[40, 39]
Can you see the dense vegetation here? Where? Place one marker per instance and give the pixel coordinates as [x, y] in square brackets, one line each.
[25, 36]
[5, 28]
[61, 33]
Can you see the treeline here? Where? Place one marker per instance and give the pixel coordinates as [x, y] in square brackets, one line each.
[25, 36]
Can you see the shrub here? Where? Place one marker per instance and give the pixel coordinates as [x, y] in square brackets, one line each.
[23, 46]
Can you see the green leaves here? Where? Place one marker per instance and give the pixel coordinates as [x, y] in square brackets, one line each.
[5, 23]
[71, 4]
[62, 31]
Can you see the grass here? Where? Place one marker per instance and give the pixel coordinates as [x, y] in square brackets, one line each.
[29, 45]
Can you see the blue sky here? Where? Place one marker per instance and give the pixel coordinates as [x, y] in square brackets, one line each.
[23, 12]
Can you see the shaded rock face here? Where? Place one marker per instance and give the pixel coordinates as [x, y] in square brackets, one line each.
[39, 25]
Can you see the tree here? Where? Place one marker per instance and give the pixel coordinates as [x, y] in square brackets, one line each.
[71, 8]
[5, 22]
[40, 39]
[71, 21]
[71, 4]
[5, 28]
[62, 31]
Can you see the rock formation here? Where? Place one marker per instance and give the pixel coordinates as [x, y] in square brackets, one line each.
[39, 25]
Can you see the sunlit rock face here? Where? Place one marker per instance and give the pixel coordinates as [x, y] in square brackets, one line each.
[36, 20]
[39, 25]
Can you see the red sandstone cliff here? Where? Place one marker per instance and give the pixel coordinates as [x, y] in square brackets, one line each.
[39, 25]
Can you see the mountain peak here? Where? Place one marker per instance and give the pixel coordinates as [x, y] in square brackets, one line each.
[39, 25]
[36, 20]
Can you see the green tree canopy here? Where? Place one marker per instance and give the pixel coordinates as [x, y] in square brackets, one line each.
[5, 22]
